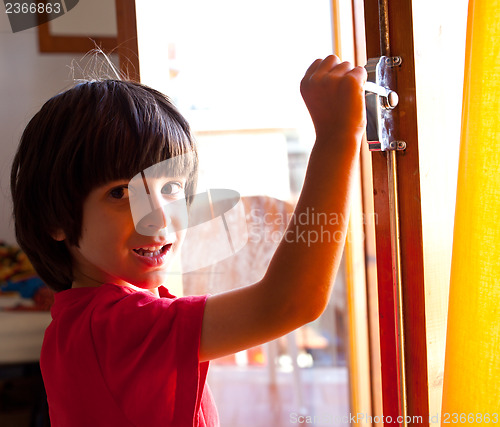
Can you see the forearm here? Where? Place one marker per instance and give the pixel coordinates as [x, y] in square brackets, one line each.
[302, 271]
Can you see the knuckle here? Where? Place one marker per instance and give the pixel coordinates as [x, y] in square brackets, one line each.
[348, 65]
[351, 80]
[304, 84]
[317, 78]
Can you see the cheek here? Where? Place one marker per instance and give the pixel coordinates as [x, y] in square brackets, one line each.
[177, 219]
[180, 236]
[103, 231]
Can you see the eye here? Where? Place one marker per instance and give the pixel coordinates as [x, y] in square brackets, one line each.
[171, 188]
[119, 193]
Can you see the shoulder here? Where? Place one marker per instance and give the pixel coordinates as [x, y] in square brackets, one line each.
[140, 313]
[110, 302]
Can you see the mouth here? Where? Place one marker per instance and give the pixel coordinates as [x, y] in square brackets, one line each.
[153, 251]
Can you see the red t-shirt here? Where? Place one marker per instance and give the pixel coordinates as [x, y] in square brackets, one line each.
[113, 356]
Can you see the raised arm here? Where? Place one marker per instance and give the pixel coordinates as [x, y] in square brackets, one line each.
[297, 285]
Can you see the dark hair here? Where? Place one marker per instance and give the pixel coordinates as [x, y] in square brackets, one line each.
[91, 134]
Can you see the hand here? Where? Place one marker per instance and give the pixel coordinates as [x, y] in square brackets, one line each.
[334, 95]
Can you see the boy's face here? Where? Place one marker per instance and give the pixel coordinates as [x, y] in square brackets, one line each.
[112, 250]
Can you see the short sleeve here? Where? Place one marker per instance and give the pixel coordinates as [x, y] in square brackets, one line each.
[148, 352]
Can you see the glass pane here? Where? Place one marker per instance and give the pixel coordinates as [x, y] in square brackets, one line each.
[233, 69]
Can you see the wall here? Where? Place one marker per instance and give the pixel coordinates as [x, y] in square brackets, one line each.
[27, 80]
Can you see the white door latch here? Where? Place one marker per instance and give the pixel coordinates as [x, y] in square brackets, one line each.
[380, 101]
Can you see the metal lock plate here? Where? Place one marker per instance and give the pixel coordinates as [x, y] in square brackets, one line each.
[380, 101]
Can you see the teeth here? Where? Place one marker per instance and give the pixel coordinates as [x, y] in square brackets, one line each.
[149, 251]
[151, 254]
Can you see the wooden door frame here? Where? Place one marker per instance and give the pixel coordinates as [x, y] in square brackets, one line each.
[410, 220]
[128, 49]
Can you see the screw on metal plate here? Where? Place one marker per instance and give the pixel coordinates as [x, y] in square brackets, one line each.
[397, 145]
[393, 61]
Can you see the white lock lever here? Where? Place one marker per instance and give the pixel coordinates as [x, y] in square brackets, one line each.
[390, 98]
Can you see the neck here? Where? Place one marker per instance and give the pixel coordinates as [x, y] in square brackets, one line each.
[84, 281]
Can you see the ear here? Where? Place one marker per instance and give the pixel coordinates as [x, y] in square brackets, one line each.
[59, 235]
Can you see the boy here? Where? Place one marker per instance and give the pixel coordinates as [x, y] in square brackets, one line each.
[120, 349]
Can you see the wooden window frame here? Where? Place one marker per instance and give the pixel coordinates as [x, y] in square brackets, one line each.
[49, 43]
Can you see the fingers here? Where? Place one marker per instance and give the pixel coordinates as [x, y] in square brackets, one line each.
[332, 64]
[328, 64]
[322, 66]
[312, 68]
[360, 74]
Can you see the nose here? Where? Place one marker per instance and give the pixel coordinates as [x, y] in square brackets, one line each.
[156, 222]
[153, 212]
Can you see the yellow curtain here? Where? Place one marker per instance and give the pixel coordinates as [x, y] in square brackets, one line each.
[472, 365]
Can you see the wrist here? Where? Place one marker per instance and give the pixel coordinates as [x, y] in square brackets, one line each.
[338, 143]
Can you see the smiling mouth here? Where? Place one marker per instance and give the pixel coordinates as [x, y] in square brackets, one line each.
[153, 251]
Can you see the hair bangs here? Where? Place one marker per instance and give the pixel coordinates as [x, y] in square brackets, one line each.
[138, 134]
